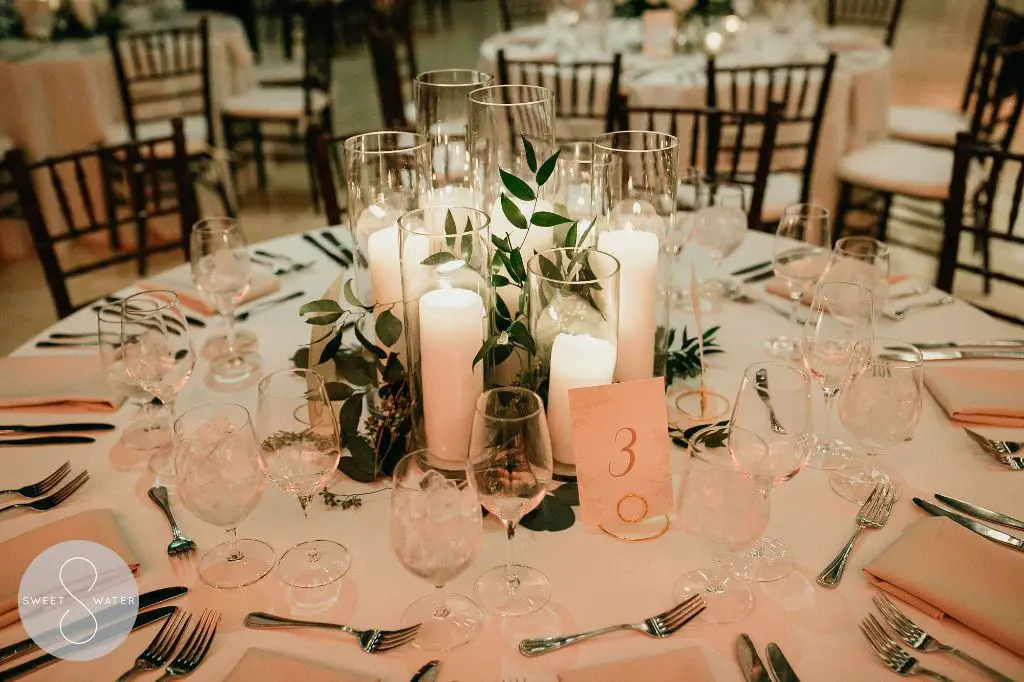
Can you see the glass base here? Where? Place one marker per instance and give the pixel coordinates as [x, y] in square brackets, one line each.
[236, 368]
[681, 301]
[529, 593]
[772, 560]
[314, 563]
[150, 430]
[217, 344]
[783, 348]
[458, 622]
[855, 482]
[254, 559]
[729, 600]
[161, 462]
[829, 454]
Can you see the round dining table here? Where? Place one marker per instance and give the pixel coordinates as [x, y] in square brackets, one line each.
[597, 580]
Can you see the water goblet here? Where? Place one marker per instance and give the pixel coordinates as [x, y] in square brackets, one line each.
[719, 229]
[864, 261]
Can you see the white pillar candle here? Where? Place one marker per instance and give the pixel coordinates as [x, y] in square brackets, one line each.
[452, 325]
[577, 361]
[637, 253]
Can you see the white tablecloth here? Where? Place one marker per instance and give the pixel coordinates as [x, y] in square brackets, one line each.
[596, 580]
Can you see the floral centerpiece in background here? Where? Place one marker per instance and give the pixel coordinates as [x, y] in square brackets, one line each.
[706, 9]
[45, 20]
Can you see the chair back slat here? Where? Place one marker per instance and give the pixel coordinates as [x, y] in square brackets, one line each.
[883, 14]
[389, 33]
[1001, 26]
[325, 148]
[1000, 96]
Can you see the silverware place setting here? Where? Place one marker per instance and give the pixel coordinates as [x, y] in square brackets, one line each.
[874, 514]
[73, 427]
[265, 305]
[46, 440]
[51, 501]
[180, 543]
[893, 656]
[197, 645]
[43, 486]
[1004, 451]
[901, 313]
[371, 641]
[754, 669]
[279, 265]
[988, 532]
[162, 647]
[340, 258]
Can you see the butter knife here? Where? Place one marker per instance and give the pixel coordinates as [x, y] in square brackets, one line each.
[943, 345]
[980, 353]
[46, 440]
[981, 529]
[55, 428]
[427, 673]
[980, 512]
[750, 662]
[780, 666]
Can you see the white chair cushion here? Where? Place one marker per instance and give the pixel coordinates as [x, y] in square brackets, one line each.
[6, 145]
[926, 125]
[264, 103]
[900, 168]
[285, 73]
[783, 191]
[195, 134]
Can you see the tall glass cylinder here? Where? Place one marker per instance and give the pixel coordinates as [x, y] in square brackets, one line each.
[447, 291]
[578, 192]
[639, 206]
[574, 312]
[386, 176]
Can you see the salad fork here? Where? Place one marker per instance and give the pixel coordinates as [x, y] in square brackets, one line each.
[162, 646]
[41, 487]
[893, 656]
[874, 513]
[1002, 450]
[371, 641]
[48, 503]
[193, 651]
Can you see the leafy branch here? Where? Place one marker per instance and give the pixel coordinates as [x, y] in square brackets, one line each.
[684, 361]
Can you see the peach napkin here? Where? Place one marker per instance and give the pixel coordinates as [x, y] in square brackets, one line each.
[179, 281]
[978, 392]
[260, 664]
[97, 525]
[944, 569]
[779, 288]
[683, 664]
[56, 383]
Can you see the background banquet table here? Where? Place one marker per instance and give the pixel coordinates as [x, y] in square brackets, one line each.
[596, 580]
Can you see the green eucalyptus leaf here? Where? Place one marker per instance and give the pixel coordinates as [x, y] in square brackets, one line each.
[372, 348]
[467, 246]
[499, 280]
[388, 328]
[324, 305]
[324, 320]
[547, 168]
[501, 243]
[501, 309]
[570, 237]
[301, 358]
[449, 229]
[548, 219]
[362, 452]
[552, 514]
[582, 241]
[514, 215]
[524, 300]
[355, 370]
[349, 416]
[338, 391]
[516, 187]
[349, 467]
[440, 258]
[331, 349]
[568, 493]
[531, 155]
[550, 270]
[393, 370]
[521, 335]
[485, 348]
[350, 296]
[502, 353]
[518, 270]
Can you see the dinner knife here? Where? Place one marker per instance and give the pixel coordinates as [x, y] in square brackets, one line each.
[943, 345]
[979, 353]
[759, 277]
[56, 428]
[980, 512]
[263, 305]
[46, 440]
[751, 268]
[142, 620]
[970, 524]
[327, 252]
[780, 666]
[329, 236]
[151, 598]
[750, 662]
[427, 673]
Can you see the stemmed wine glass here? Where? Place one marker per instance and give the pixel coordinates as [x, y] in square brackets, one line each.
[158, 355]
[299, 451]
[841, 316]
[691, 196]
[774, 404]
[800, 255]
[881, 408]
[221, 271]
[436, 532]
[720, 229]
[509, 466]
[220, 481]
[864, 261]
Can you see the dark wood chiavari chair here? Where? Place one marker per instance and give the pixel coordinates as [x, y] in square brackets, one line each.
[393, 54]
[326, 150]
[434, 7]
[8, 195]
[884, 14]
[520, 10]
[139, 172]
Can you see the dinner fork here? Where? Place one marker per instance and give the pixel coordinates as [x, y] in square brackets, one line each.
[874, 513]
[180, 543]
[892, 655]
[661, 625]
[162, 646]
[371, 641]
[1002, 450]
[48, 503]
[195, 648]
[42, 487]
[916, 638]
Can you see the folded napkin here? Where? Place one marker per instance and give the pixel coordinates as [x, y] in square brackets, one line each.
[944, 569]
[97, 525]
[179, 281]
[979, 392]
[778, 287]
[683, 664]
[260, 664]
[56, 383]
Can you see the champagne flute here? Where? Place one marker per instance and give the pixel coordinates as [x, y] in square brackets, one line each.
[220, 481]
[299, 451]
[841, 315]
[221, 271]
[157, 355]
[800, 255]
[436, 532]
[510, 466]
[865, 261]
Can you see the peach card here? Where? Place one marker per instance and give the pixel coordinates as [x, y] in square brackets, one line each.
[619, 437]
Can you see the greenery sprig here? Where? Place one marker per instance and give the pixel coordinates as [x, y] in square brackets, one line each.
[683, 362]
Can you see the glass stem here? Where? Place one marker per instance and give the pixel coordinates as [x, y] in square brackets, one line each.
[234, 551]
[830, 401]
[510, 565]
[716, 575]
[312, 549]
[441, 610]
[229, 319]
[795, 295]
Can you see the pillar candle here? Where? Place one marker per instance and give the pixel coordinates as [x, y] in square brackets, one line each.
[452, 325]
[637, 253]
[577, 361]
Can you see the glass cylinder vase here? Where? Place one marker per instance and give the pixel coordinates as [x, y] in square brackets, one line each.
[639, 204]
[447, 291]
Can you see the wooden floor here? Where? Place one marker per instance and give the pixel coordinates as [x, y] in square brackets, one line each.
[930, 61]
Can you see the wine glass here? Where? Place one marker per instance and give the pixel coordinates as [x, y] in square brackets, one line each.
[220, 481]
[299, 451]
[691, 196]
[881, 408]
[728, 511]
[774, 404]
[221, 271]
[510, 466]
[720, 229]
[800, 255]
[158, 355]
[151, 427]
[841, 315]
[436, 532]
[865, 261]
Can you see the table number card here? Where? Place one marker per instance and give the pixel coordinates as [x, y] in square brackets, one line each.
[618, 435]
[659, 33]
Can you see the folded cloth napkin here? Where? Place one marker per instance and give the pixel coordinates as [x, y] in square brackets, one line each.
[979, 392]
[944, 569]
[56, 383]
[179, 281]
[682, 664]
[260, 664]
[97, 525]
[779, 287]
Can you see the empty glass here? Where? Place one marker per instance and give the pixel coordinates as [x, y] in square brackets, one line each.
[299, 451]
[220, 481]
[510, 467]
[864, 261]
[719, 229]
[436, 532]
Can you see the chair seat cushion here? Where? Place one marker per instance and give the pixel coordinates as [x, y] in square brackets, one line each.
[278, 73]
[900, 168]
[783, 191]
[273, 103]
[195, 134]
[927, 125]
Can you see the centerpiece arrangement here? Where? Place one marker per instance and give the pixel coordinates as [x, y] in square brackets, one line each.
[45, 20]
